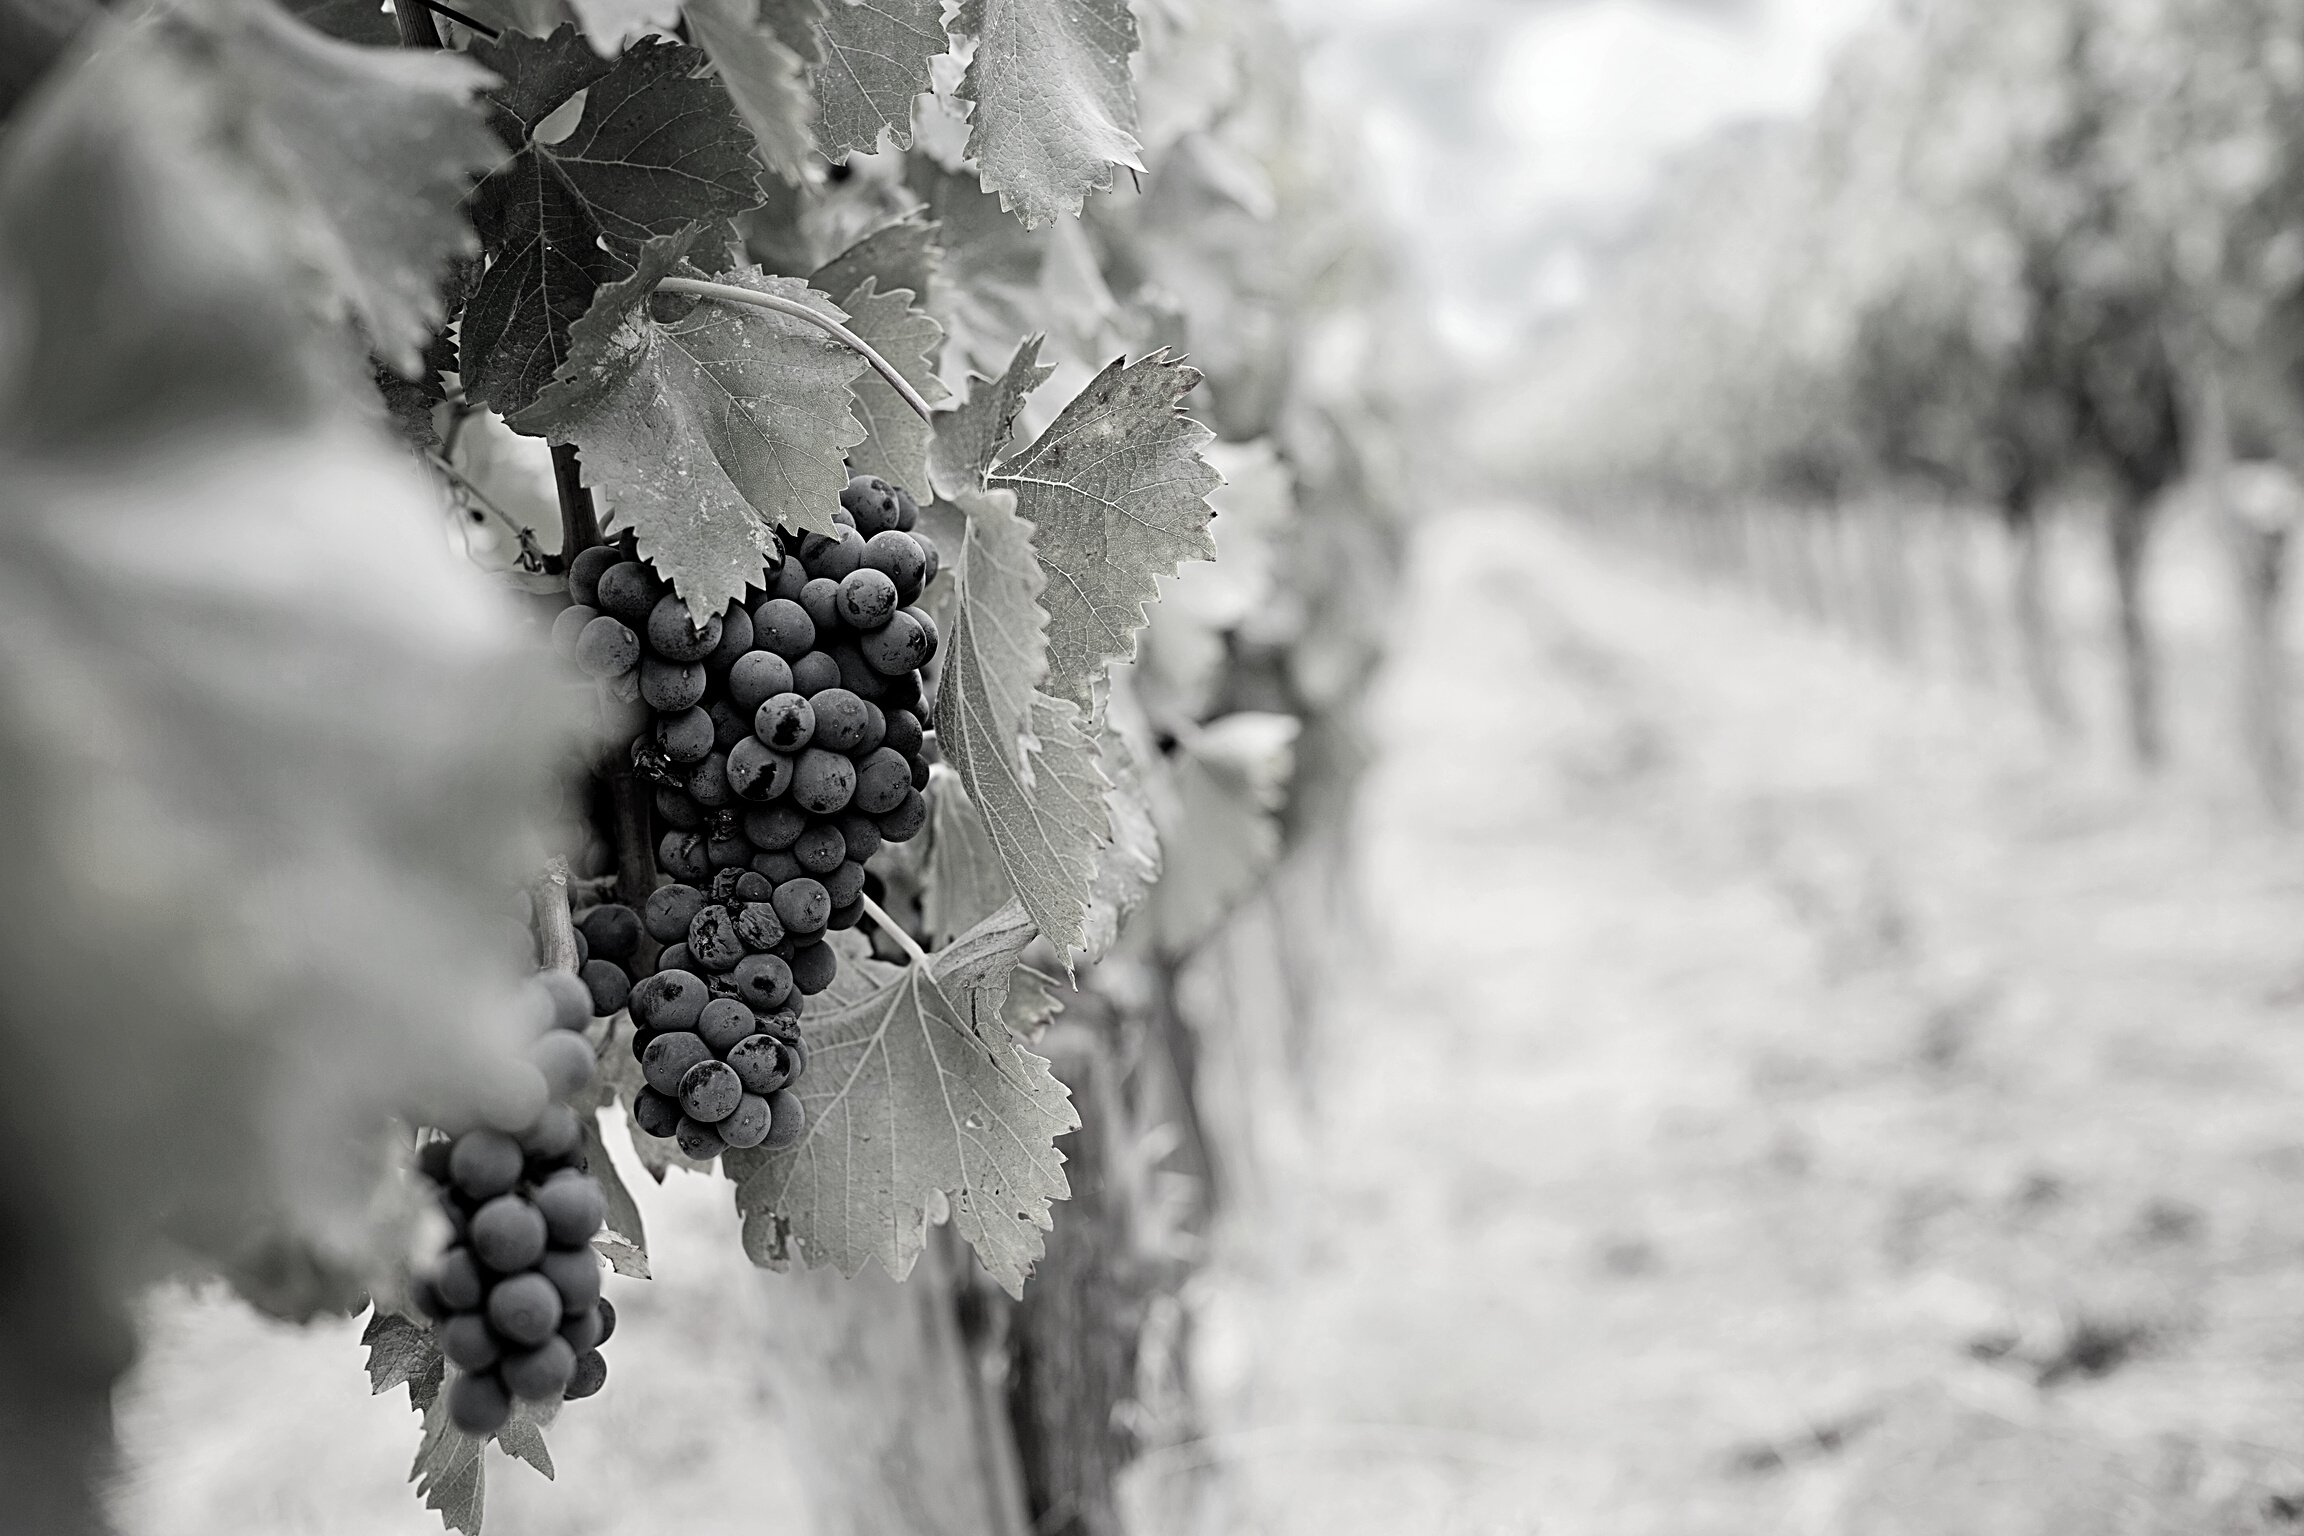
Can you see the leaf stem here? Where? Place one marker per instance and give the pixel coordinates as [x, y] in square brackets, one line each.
[729, 293]
[579, 520]
[461, 19]
[905, 941]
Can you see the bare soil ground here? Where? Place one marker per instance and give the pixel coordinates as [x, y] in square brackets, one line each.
[1787, 1095]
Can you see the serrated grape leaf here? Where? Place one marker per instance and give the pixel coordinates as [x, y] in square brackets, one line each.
[913, 1088]
[296, 809]
[875, 61]
[1033, 999]
[1218, 823]
[709, 430]
[522, 1436]
[895, 445]
[623, 1242]
[610, 24]
[1117, 492]
[657, 150]
[401, 1351]
[1055, 108]
[449, 1472]
[990, 299]
[1024, 758]
[1130, 864]
[764, 75]
[901, 254]
[362, 156]
[964, 880]
[969, 439]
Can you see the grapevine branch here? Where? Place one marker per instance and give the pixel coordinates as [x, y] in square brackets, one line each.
[555, 928]
[729, 293]
[531, 553]
[910, 945]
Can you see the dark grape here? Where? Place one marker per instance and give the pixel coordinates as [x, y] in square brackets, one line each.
[875, 730]
[565, 1060]
[568, 627]
[606, 647]
[814, 966]
[903, 732]
[900, 645]
[857, 675]
[572, 1207]
[927, 621]
[834, 559]
[583, 1331]
[821, 848]
[672, 686]
[777, 865]
[801, 905]
[681, 855]
[552, 1136]
[762, 1063]
[467, 1343]
[859, 835]
[670, 999]
[758, 677]
[840, 720]
[607, 1312]
[508, 1234]
[708, 784]
[776, 827]
[699, 1140]
[725, 1021]
[729, 848]
[747, 1124]
[750, 887]
[785, 721]
[867, 598]
[677, 810]
[673, 635]
[730, 725]
[524, 1309]
[907, 510]
[735, 640]
[871, 501]
[585, 570]
[815, 672]
[844, 884]
[656, 1113]
[485, 1164]
[685, 737]
[882, 781]
[669, 1056]
[607, 985]
[709, 1090]
[757, 924]
[784, 626]
[920, 774]
[538, 1375]
[762, 981]
[629, 590]
[574, 1274]
[677, 958]
[755, 772]
[846, 916]
[712, 940]
[456, 1276]
[612, 928]
[786, 1119]
[899, 557]
[669, 911]
[928, 549]
[478, 1404]
[821, 599]
[788, 578]
[822, 782]
[589, 1376]
[904, 823]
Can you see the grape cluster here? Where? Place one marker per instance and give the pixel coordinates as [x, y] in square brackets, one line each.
[515, 1297]
[786, 743]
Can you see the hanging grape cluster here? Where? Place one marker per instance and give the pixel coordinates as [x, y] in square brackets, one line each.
[785, 742]
[515, 1297]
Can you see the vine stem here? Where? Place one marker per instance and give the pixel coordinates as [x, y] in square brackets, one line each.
[530, 550]
[555, 927]
[910, 945]
[729, 293]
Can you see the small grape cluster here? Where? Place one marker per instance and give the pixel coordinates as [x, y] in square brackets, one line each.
[786, 744]
[515, 1297]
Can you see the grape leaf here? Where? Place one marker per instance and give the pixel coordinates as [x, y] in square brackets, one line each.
[362, 156]
[901, 254]
[990, 299]
[449, 1472]
[298, 810]
[875, 61]
[522, 1436]
[1131, 863]
[970, 439]
[914, 1089]
[1218, 823]
[965, 881]
[1055, 109]
[1024, 758]
[401, 1350]
[708, 430]
[767, 79]
[656, 150]
[623, 1242]
[895, 445]
[1118, 493]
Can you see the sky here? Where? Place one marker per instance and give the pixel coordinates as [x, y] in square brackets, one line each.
[1512, 138]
